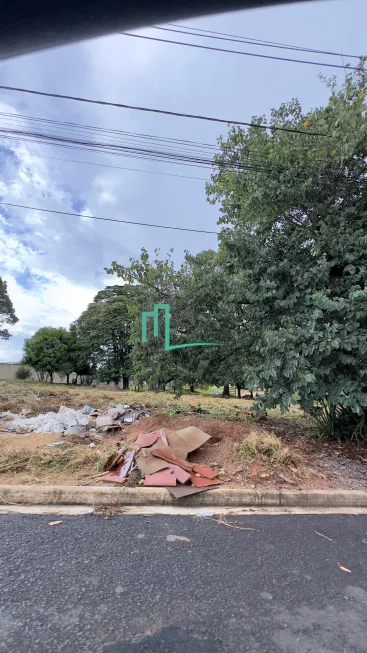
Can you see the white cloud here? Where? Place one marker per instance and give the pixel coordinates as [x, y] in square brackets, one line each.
[52, 301]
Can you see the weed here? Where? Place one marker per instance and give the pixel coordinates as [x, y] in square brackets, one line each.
[266, 448]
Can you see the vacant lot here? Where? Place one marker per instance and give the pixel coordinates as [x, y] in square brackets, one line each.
[273, 451]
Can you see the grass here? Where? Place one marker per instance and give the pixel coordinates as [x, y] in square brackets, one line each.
[68, 458]
[266, 448]
[41, 397]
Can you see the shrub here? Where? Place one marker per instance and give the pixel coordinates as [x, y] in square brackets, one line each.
[23, 372]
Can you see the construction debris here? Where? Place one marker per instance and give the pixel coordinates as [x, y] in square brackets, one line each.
[48, 422]
[70, 422]
[161, 457]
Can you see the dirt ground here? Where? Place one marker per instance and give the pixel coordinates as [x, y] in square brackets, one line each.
[317, 464]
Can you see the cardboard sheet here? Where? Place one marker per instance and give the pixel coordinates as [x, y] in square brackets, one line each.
[181, 491]
[147, 463]
[193, 438]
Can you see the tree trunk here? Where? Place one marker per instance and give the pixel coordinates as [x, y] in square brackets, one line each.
[192, 387]
[238, 390]
[125, 382]
[226, 392]
[67, 379]
[251, 394]
[51, 377]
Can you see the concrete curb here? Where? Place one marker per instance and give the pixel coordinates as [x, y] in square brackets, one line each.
[115, 496]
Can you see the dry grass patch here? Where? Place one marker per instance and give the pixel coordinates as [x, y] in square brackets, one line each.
[42, 397]
[64, 458]
[265, 448]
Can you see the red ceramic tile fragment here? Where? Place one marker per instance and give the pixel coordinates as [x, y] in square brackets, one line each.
[179, 473]
[147, 439]
[163, 478]
[205, 471]
[116, 476]
[199, 481]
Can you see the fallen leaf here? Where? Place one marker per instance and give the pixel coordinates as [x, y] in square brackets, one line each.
[265, 475]
[177, 538]
[55, 523]
[344, 568]
[294, 470]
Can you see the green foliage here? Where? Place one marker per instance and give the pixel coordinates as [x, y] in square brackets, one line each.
[203, 306]
[102, 334]
[49, 350]
[298, 242]
[23, 372]
[7, 313]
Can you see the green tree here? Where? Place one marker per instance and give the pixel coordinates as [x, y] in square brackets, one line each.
[48, 351]
[102, 334]
[150, 282]
[204, 306]
[7, 313]
[297, 238]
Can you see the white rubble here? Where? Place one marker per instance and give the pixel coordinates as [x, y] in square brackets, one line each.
[49, 422]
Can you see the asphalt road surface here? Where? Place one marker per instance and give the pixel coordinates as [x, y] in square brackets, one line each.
[123, 585]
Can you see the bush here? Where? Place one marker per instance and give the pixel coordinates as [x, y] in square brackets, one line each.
[340, 423]
[23, 372]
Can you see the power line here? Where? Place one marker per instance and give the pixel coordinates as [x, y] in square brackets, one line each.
[142, 153]
[135, 135]
[106, 165]
[247, 54]
[250, 40]
[94, 217]
[159, 111]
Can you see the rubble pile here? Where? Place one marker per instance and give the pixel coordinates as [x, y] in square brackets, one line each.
[162, 459]
[161, 456]
[68, 421]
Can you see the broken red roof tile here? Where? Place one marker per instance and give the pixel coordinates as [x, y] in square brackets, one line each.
[179, 473]
[161, 479]
[147, 439]
[205, 471]
[199, 481]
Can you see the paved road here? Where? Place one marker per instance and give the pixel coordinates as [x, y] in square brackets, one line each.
[118, 586]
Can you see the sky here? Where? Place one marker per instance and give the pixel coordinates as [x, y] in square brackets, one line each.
[54, 264]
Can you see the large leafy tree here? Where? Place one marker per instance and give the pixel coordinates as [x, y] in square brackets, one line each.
[150, 281]
[204, 306]
[297, 238]
[7, 313]
[103, 332]
[49, 350]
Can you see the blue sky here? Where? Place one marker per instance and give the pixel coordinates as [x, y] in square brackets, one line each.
[53, 264]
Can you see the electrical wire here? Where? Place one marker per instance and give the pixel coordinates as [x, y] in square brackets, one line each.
[158, 111]
[113, 134]
[155, 155]
[105, 165]
[94, 217]
[247, 54]
[118, 136]
[49, 135]
[250, 40]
